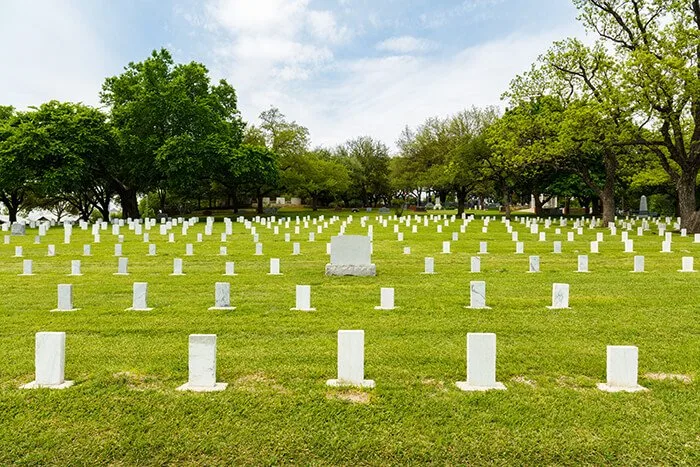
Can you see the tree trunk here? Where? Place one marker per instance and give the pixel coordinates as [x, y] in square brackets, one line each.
[12, 203]
[259, 197]
[314, 204]
[607, 199]
[538, 204]
[162, 194]
[12, 212]
[506, 201]
[567, 206]
[130, 205]
[690, 217]
[461, 200]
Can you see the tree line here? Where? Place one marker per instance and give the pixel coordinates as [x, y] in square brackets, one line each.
[599, 124]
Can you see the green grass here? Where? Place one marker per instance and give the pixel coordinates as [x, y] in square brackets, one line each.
[124, 408]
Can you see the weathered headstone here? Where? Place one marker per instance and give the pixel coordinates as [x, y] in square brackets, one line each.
[18, 229]
[202, 365]
[140, 297]
[534, 263]
[560, 297]
[477, 295]
[222, 297]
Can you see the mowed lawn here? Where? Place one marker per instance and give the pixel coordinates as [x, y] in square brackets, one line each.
[124, 408]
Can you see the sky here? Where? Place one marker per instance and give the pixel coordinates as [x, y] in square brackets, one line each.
[341, 68]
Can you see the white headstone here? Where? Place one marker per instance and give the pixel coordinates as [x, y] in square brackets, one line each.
[222, 297]
[475, 264]
[202, 365]
[638, 264]
[177, 267]
[582, 263]
[275, 267]
[477, 295]
[229, 269]
[49, 361]
[75, 268]
[622, 368]
[65, 298]
[351, 255]
[122, 267]
[386, 299]
[534, 264]
[303, 298]
[429, 266]
[351, 360]
[27, 268]
[140, 297]
[481, 363]
[560, 297]
[687, 264]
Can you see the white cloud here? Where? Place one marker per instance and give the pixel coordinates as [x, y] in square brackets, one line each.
[324, 26]
[50, 52]
[405, 45]
[379, 96]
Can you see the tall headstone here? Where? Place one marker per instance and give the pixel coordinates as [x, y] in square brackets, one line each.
[222, 297]
[65, 298]
[140, 297]
[49, 361]
[351, 360]
[303, 298]
[643, 209]
[202, 365]
[429, 266]
[386, 299]
[560, 297]
[481, 363]
[477, 295]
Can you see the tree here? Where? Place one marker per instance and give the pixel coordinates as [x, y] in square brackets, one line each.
[167, 117]
[647, 77]
[287, 141]
[367, 163]
[317, 174]
[18, 166]
[75, 145]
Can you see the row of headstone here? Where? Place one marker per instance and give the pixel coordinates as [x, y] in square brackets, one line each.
[50, 358]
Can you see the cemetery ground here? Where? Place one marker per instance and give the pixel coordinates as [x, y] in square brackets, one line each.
[277, 408]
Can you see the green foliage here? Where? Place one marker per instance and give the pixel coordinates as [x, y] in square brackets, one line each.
[170, 123]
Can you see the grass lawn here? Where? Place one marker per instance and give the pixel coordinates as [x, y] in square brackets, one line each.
[124, 408]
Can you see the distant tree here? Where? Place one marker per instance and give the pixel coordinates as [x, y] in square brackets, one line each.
[166, 117]
[367, 163]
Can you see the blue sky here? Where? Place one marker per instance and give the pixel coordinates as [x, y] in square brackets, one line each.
[343, 68]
